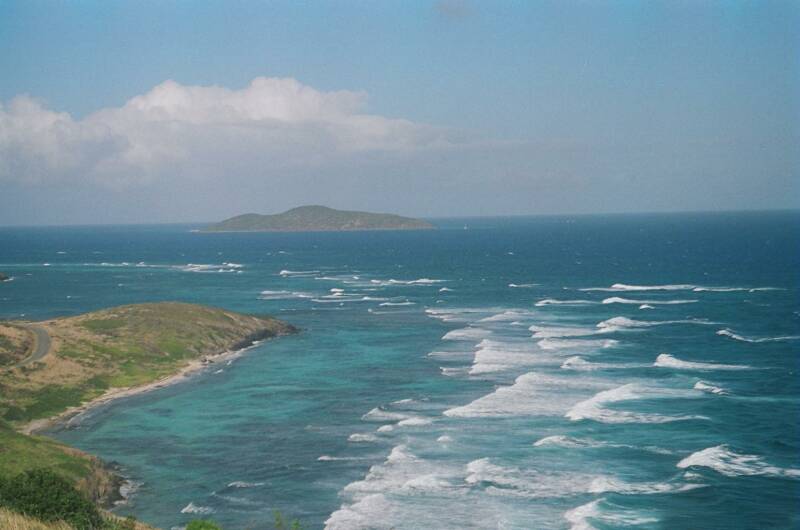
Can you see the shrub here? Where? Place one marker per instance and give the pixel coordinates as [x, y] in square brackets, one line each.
[42, 494]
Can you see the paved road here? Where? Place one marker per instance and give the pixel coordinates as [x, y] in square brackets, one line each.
[41, 345]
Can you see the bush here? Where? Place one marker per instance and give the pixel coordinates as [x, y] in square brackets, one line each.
[201, 524]
[46, 496]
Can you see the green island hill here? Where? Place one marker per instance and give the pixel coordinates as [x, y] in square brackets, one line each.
[55, 369]
[317, 218]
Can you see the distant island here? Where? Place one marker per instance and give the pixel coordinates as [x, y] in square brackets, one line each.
[317, 218]
[52, 370]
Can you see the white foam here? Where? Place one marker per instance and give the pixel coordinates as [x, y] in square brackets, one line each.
[511, 314]
[285, 272]
[619, 300]
[575, 344]
[579, 518]
[551, 301]
[625, 323]
[397, 303]
[646, 306]
[495, 356]
[531, 394]
[445, 290]
[735, 336]
[545, 332]
[569, 442]
[522, 285]
[469, 333]
[579, 363]
[283, 295]
[723, 460]
[666, 360]
[372, 511]
[595, 407]
[379, 414]
[420, 281]
[625, 287]
[705, 386]
[414, 421]
[444, 439]
[358, 437]
[242, 484]
[194, 508]
[609, 484]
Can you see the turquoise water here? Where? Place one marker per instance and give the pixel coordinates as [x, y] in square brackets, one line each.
[589, 372]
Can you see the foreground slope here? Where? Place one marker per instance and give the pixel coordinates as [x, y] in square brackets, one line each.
[317, 218]
[96, 356]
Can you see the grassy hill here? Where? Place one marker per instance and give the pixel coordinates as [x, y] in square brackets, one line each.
[89, 356]
[317, 218]
[118, 348]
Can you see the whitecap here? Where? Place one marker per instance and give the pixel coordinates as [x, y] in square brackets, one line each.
[595, 407]
[194, 508]
[242, 484]
[282, 295]
[574, 344]
[626, 287]
[358, 437]
[286, 272]
[624, 323]
[620, 300]
[705, 386]
[522, 285]
[543, 332]
[728, 333]
[379, 414]
[723, 460]
[581, 518]
[397, 303]
[531, 394]
[666, 360]
[551, 301]
[469, 333]
[414, 421]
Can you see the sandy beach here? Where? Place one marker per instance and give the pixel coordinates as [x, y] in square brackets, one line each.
[191, 369]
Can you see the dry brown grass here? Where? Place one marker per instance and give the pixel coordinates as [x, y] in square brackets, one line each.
[14, 521]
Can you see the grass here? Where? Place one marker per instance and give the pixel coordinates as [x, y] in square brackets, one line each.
[13, 521]
[121, 347]
[90, 354]
[19, 452]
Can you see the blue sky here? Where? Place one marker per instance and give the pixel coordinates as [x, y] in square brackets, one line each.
[505, 107]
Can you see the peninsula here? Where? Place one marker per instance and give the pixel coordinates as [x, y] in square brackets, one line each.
[317, 218]
[52, 370]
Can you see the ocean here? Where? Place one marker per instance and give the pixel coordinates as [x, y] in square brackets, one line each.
[621, 371]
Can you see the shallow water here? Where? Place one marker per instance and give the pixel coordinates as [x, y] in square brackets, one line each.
[554, 372]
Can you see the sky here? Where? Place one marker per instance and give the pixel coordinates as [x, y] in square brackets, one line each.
[177, 111]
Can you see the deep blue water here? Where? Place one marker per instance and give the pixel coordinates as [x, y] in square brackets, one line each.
[482, 378]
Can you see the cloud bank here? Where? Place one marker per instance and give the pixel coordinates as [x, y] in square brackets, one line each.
[179, 130]
[203, 153]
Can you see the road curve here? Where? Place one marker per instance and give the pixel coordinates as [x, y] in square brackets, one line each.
[41, 345]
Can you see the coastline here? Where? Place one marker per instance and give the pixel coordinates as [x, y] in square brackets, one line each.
[192, 368]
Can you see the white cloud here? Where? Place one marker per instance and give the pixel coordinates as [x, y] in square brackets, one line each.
[184, 130]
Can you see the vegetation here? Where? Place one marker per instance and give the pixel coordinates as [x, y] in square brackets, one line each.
[118, 348]
[89, 355]
[47, 496]
[313, 218]
[43, 500]
[20, 453]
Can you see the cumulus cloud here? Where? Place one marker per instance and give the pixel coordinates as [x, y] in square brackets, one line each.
[196, 130]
